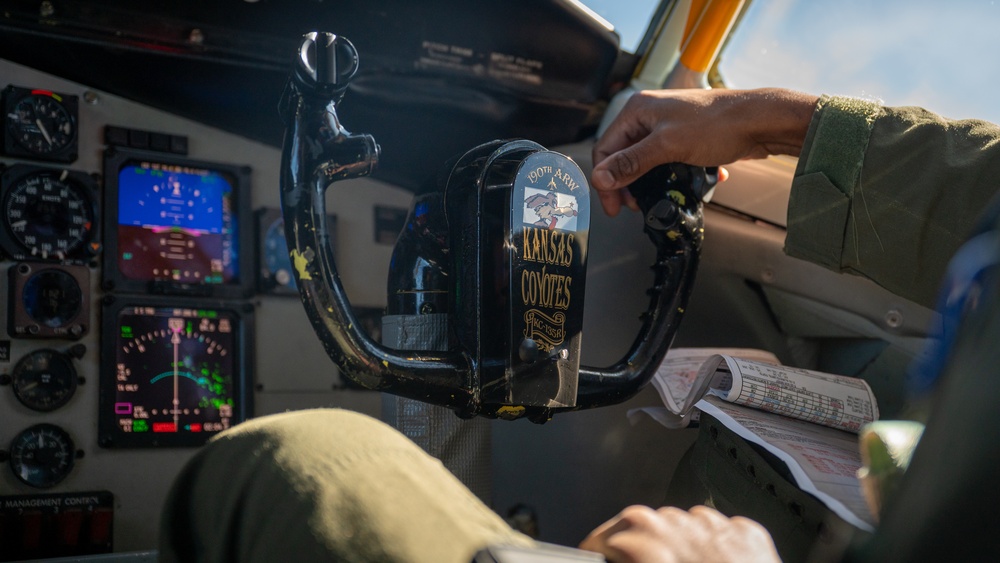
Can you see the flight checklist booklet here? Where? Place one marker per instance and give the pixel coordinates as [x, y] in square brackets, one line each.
[808, 419]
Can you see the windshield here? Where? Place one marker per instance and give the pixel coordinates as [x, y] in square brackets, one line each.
[630, 18]
[938, 55]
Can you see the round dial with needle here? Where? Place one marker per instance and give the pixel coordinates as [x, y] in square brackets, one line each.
[44, 380]
[40, 124]
[42, 456]
[48, 214]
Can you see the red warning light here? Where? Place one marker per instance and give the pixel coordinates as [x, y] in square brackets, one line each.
[164, 427]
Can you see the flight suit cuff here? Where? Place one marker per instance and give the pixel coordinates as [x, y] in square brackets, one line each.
[825, 179]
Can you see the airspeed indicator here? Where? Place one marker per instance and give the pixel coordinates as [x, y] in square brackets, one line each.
[49, 214]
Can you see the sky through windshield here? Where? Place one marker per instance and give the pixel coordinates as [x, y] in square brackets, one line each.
[935, 54]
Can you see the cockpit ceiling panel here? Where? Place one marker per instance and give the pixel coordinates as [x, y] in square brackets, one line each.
[436, 76]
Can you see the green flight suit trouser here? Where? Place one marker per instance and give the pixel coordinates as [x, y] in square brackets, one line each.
[323, 485]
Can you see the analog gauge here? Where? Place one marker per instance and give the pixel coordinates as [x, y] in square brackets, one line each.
[48, 301]
[42, 456]
[44, 380]
[277, 258]
[48, 214]
[40, 124]
[52, 298]
[277, 263]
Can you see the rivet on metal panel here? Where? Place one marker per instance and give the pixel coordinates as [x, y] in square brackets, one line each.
[196, 36]
[894, 319]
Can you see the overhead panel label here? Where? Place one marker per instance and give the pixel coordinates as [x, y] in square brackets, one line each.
[458, 59]
[521, 69]
[453, 58]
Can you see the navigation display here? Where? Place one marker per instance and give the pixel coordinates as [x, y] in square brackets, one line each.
[172, 375]
[178, 224]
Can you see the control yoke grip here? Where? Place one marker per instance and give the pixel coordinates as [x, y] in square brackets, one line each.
[670, 198]
[666, 191]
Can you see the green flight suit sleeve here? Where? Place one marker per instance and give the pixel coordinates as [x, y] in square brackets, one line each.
[890, 193]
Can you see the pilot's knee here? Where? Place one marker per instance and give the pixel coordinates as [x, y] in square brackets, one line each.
[311, 433]
[279, 449]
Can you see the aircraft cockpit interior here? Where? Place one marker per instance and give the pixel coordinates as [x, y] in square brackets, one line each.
[215, 211]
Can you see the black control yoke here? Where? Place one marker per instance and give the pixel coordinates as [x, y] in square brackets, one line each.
[513, 218]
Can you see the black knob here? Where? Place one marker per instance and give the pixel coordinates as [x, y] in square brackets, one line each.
[664, 189]
[327, 61]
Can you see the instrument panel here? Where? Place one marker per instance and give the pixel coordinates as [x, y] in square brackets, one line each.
[128, 292]
[139, 254]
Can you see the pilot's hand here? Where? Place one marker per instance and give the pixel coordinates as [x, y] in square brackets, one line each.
[697, 127]
[641, 534]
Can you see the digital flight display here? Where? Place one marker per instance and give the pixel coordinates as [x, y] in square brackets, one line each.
[172, 376]
[176, 223]
[177, 226]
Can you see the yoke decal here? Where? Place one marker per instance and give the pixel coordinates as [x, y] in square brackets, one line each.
[549, 210]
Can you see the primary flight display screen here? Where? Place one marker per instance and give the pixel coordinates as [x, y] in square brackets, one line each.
[178, 225]
[172, 375]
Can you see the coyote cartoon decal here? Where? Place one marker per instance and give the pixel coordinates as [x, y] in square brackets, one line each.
[547, 209]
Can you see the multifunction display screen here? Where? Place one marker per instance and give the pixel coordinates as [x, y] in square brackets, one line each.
[172, 375]
[176, 223]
